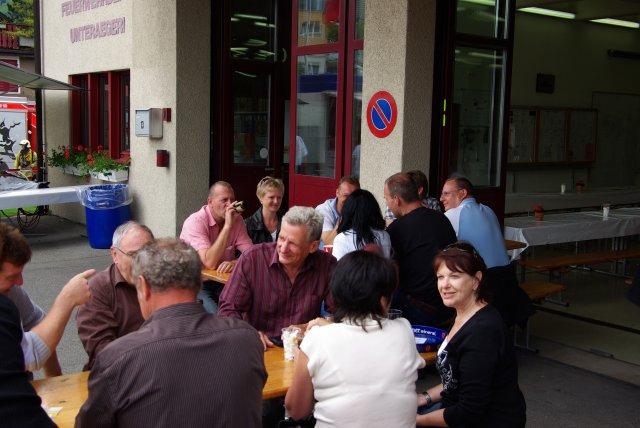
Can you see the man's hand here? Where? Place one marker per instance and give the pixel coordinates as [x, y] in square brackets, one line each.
[318, 322]
[225, 267]
[265, 341]
[230, 215]
[76, 291]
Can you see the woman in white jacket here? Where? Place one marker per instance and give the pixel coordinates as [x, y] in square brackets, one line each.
[361, 224]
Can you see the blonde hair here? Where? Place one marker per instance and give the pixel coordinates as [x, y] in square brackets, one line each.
[267, 183]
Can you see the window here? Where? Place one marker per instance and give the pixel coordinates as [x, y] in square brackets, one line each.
[100, 115]
[6, 87]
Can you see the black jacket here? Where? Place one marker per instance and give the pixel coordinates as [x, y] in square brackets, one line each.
[256, 229]
[19, 404]
[480, 375]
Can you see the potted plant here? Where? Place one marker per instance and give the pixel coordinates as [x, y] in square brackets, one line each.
[579, 186]
[96, 163]
[538, 212]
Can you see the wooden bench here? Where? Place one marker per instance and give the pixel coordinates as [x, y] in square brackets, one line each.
[555, 265]
[537, 292]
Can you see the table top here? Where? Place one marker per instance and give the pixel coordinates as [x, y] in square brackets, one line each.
[70, 391]
[513, 245]
[216, 276]
[572, 227]
[48, 196]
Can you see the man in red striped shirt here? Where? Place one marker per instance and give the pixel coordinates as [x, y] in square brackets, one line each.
[278, 284]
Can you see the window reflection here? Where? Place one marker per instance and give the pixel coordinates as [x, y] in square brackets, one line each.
[356, 118]
[317, 78]
[318, 22]
[480, 18]
[250, 118]
[477, 115]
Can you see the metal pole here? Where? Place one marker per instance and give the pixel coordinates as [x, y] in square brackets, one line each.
[42, 175]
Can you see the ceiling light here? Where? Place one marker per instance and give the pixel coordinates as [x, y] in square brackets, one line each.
[618, 22]
[482, 2]
[548, 12]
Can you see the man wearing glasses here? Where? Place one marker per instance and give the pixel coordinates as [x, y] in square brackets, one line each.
[113, 309]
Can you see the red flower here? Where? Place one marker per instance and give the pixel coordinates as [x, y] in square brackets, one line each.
[99, 148]
[79, 148]
[66, 153]
[90, 157]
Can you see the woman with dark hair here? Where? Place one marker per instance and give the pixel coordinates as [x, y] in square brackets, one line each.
[361, 224]
[476, 361]
[361, 367]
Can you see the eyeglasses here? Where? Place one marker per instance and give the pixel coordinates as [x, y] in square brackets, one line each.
[127, 253]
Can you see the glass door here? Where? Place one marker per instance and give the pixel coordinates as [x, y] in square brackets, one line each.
[326, 84]
[253, 88]
[471, 130]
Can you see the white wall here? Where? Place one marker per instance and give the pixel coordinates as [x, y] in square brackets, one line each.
[163, 74]
[576, 53]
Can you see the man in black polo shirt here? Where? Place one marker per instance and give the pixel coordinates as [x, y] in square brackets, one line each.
[416, 237]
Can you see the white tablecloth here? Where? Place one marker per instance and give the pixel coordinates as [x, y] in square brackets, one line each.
[571, 227]
[51, 196]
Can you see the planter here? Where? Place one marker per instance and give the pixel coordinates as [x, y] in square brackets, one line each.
[539, 215]
[72, 170]
[112, 176]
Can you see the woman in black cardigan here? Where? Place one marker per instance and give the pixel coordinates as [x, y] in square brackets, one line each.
[264, 224]
[476, 361]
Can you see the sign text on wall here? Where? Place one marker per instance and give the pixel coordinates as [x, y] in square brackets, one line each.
[109, 27]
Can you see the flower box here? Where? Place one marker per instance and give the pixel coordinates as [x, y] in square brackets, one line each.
[113, 176]
[73, 170]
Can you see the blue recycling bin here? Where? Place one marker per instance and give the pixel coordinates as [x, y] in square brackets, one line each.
[106, 207]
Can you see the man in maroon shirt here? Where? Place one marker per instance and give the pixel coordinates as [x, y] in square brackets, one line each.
[113, 309]
[277, 284]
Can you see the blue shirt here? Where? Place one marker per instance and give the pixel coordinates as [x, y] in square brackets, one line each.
[478, 225]
[329, 211]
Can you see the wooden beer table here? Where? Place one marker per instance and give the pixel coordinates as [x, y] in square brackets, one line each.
[216, 276]
[70, 391]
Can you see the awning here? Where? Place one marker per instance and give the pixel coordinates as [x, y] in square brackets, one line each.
[11, 74]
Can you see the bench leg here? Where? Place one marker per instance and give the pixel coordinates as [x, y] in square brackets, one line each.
[527, 335]
[557, 300]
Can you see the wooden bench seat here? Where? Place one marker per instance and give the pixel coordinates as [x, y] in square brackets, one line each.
[539, 290]
[558, 262]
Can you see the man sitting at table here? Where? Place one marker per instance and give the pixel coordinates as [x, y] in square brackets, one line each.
[216, 231]
[113, 310]
[416, 237]
[277, 284]
[477, 224]
[332, 208]
[40, 341]
[184, 367]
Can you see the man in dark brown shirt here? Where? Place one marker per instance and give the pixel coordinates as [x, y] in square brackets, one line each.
[113, 310]
[183, 367]
[278, 284]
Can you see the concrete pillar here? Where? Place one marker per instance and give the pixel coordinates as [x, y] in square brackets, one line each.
[398, 58]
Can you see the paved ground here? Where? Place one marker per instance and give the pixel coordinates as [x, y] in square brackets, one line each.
[557, 394]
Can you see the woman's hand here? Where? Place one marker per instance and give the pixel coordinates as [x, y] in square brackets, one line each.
[318, 322]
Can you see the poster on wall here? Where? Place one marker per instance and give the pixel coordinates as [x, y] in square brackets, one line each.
[13, 129]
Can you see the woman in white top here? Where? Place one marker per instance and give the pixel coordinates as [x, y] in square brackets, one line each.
[362, 367]
[361, 224]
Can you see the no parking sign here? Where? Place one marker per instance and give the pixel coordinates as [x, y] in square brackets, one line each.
[382, 114]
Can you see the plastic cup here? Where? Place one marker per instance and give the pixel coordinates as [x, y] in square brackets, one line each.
[605, 211]
[290, 338]
[394, 313]
[563, 188]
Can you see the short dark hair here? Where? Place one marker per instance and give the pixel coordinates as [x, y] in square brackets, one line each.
[463, 183]
[403, 186]
[361, 213]
[351, 180]
[462, 257]
[420, 179]
[14, 247]
[359, 281]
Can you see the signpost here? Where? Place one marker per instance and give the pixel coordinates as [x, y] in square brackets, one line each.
[382, 114]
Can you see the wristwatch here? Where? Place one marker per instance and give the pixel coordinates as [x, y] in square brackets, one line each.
[427, 397]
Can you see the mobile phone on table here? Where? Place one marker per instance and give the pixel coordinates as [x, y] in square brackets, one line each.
[276, 340]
